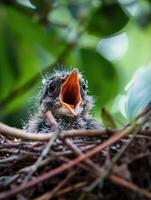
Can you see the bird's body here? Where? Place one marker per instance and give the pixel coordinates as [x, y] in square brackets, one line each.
[39, 124]
[65, 95]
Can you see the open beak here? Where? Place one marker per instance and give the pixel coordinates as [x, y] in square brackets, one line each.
[70, 96]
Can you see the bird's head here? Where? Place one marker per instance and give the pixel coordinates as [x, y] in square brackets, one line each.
[65, 93]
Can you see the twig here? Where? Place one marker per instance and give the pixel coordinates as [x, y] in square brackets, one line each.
[51, 120]
[10, 159]
[22, 152]
[37, 164]
[49, 195]
[78, 152]
[71, 188]
[108, 168]
[21, 134]
[126, 184]
[69, 143]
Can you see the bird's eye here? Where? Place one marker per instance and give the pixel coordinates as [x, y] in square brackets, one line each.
[51, 88]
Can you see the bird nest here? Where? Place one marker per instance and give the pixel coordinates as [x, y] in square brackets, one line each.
[77, 164]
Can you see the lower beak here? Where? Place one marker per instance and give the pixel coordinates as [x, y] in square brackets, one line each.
[70, 96]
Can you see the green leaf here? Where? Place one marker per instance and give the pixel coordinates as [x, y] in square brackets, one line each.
[101, 74]
[8, 60]
[25, 50]
[61, 16]
[138, 93]
[26, 3]
[107, 20]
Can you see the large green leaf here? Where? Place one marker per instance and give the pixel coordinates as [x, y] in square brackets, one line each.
[138, 93]
[8, 60]
[101, 74]
[25, 49]
[107, 20]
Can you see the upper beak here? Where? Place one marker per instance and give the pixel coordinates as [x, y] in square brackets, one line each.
[70, 96]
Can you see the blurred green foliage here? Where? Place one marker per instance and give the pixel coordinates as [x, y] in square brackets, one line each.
[39, 36]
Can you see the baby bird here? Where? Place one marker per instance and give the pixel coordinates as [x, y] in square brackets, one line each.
[65, 95]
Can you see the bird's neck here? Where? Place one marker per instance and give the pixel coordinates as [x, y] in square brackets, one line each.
[68, 122]
[67, 118]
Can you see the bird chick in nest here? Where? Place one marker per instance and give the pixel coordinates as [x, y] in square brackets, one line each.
[65, 95]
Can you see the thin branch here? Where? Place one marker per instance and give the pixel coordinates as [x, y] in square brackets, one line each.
[45, 151]
[108, 168]
[49, 195]
[71, 188]
[21, 134]
[130, 186]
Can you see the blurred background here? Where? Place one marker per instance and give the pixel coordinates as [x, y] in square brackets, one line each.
[106, 40]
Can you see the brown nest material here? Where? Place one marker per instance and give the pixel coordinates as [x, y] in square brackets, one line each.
[77, 164]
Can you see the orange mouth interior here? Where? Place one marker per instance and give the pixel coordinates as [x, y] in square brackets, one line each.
[70, 96]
